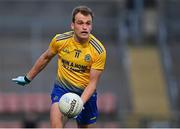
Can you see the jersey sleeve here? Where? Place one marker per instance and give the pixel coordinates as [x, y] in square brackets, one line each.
[57, 43]
[54, 45]
[100, 61]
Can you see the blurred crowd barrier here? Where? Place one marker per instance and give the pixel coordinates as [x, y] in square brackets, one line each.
[30, 108]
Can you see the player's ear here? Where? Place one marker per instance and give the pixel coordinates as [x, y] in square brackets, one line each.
[72, 26]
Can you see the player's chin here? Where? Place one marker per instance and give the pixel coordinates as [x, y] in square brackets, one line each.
[84, 36]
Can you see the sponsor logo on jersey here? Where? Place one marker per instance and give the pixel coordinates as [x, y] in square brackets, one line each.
[75, 67]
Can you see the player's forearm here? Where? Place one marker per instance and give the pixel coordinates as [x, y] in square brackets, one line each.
[38, 66]
[91, 87]
[89, 90]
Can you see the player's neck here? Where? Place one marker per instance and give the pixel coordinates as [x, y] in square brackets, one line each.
[80, 40]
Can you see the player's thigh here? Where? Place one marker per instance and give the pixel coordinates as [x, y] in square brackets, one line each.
[55, 115]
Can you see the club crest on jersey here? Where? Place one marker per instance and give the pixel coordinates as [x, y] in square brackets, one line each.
[87, 58]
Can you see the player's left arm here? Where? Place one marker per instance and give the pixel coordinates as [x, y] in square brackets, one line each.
[90, 89]
[95, 72]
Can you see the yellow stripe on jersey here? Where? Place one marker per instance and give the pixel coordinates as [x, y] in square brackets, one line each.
[96, 46]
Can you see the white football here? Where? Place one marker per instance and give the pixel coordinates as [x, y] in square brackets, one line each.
[70, 104]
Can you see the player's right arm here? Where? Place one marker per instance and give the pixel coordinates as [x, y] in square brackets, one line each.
[42, 61]
[39, 65]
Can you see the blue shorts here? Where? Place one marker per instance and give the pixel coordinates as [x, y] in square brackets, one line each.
[88, 115]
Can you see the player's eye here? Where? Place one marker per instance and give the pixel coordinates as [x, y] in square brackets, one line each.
[79, 22]
[88, 23]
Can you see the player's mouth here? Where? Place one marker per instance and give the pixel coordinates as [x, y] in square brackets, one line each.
[84, 32]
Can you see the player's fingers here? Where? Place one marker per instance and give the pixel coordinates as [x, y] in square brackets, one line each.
[14, 79]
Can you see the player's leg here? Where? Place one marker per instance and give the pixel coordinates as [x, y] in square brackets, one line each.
[56, 117]
[87, 118]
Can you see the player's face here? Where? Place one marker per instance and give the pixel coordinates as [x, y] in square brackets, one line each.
[82, 27]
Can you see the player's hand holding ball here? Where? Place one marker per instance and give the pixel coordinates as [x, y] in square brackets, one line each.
[70, 104]
[21, 80]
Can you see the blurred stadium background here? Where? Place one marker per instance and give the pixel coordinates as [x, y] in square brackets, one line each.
[141, 83]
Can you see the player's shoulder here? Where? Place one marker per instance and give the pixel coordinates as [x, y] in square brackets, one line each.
[96, 44]
[64, 36]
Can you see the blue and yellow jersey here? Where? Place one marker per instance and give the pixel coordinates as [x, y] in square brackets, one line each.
[75, 60]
